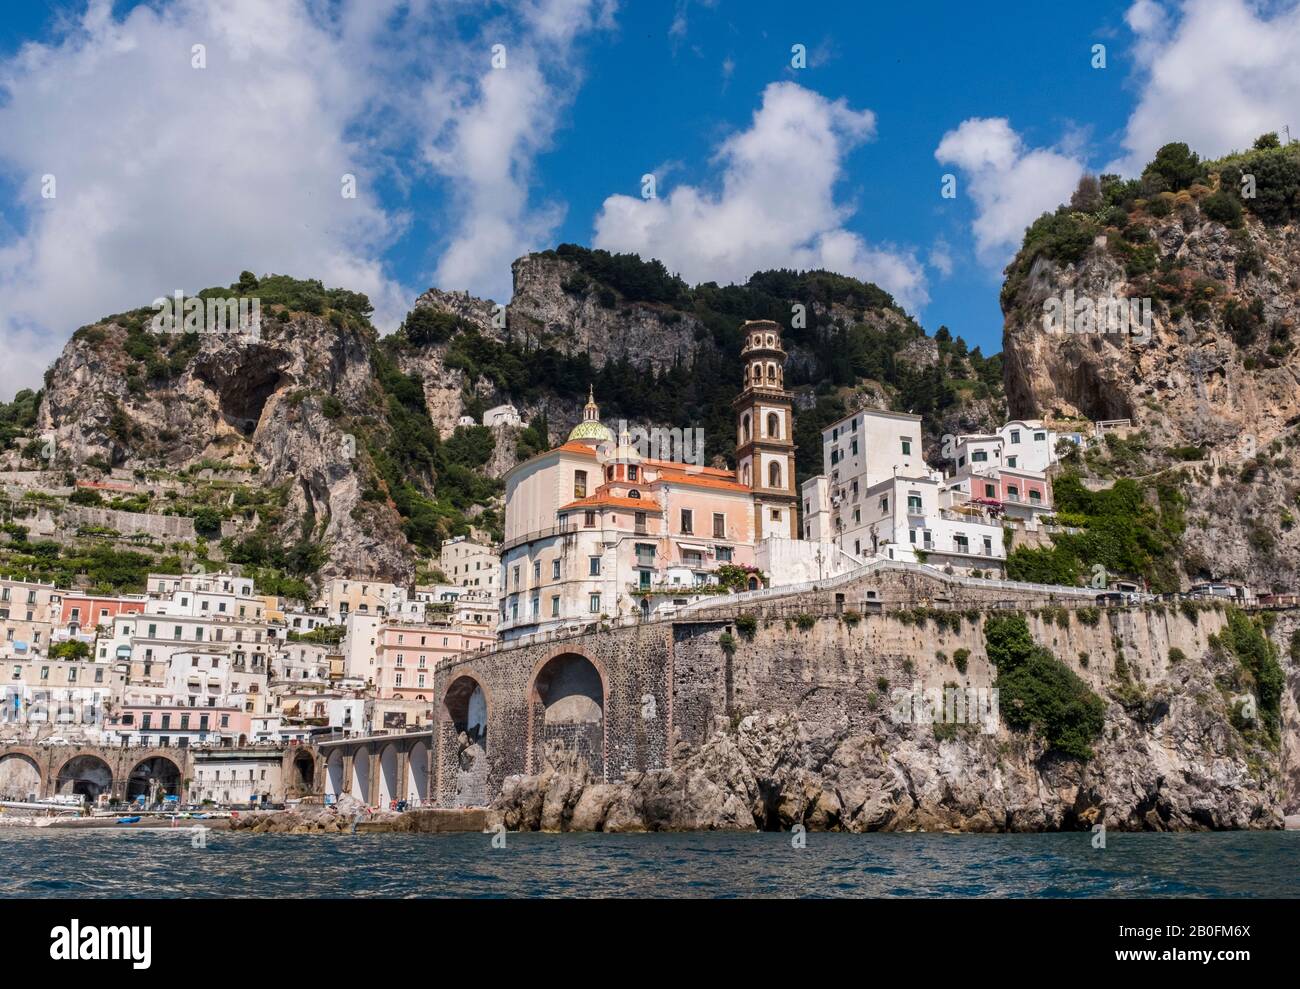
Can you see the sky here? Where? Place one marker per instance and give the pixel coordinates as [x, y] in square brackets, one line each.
[151, 147]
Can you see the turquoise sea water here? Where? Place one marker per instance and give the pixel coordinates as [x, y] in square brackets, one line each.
[123, 864]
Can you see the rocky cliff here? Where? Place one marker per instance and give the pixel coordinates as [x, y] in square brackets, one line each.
[272, 405]
[1210, 374]
[817, 742]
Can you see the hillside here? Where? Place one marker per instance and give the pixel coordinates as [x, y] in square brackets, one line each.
[1212, 391]
[319, 448]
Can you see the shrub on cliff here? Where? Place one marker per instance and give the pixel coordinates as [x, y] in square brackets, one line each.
[1256, 653]
[746, 625]
[1036, 690]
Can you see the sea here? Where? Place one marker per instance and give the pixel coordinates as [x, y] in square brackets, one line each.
[83, 864]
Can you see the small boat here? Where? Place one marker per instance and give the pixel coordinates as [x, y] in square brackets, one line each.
[128, 820]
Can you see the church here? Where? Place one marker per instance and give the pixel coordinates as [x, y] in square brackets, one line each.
[595, 530]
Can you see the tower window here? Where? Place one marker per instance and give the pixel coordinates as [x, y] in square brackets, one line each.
[579, 484]
[744, 428]
[774, 475]
[773, 425]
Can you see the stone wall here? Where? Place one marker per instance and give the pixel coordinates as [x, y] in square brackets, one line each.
[670, 686]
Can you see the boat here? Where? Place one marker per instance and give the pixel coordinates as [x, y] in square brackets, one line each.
[128, 820]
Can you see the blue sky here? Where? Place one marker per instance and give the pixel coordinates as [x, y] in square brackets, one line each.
[171, 175]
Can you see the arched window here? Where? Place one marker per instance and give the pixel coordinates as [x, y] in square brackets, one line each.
[771, 340]
[744, 428]
[774, 474]
[773, 425]
[771, 370]
[744, 476]
[634, 493]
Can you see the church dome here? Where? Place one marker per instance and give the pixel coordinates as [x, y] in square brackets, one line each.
[591, 429]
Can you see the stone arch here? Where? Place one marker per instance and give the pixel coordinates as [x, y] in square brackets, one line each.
[417, 774]
[465, 740]
[153, 778]
[361, 774]
[304, 772]
[388, 779]
[84, 774]
[567, 711]
[334, 775]
[774, 474]
[773, 425]
[20, 776]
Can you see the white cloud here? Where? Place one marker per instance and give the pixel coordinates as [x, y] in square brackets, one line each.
[1010, 184]
[170, 176]
[1214, 73]
[940, 257]
[775, 207]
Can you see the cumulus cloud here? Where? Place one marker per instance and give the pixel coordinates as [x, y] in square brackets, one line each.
[1009, 183]
[169, 176]
[1213, 73]
[774, 205]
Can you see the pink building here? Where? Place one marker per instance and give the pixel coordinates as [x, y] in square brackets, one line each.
[87, 611]
[407, 652]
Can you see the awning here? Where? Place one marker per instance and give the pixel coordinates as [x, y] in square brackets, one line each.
[697, 547]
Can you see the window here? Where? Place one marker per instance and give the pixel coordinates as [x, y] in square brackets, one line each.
[979, 456]
[1040, 437]
[776, 515]
[914, 504]
[853, 448]
[774, 475]
[579, 484]
[773, 425]
[631, 472]
[719, 525]
[555, 570]
[1034, 496]
[744, 428]
[907, 447]
[1013, 493]
[1015, 436]
[639, 519]
[723, 553]
[589, 519]
[593, 604]
[1011, 461]
[884, 504]
[555, 606]
[988, 545]
[593, 566]
[688, 521]
[990, 491]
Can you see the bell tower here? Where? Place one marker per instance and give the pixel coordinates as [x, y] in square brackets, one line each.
[765, 432]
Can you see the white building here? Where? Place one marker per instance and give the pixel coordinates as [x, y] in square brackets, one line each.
[470, 563]
[502, 415]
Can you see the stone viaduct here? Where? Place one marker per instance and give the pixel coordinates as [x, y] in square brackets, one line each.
[625, 698]
[122, 772]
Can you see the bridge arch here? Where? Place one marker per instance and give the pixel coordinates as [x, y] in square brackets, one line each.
[463, 740]
[388, 778]
[20, 776]
[566, 717]
[417, 773]
[334, 775]
[361, 774]
[303, 775]
[84, 774]
[153, 778]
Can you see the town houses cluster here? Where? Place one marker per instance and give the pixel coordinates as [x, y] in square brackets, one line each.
[597, 530]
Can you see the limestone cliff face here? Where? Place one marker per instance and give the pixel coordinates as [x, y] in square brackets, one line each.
[814, 743]
[1195, 382]
[255, 403]
[550, 309]
[1214, 391]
